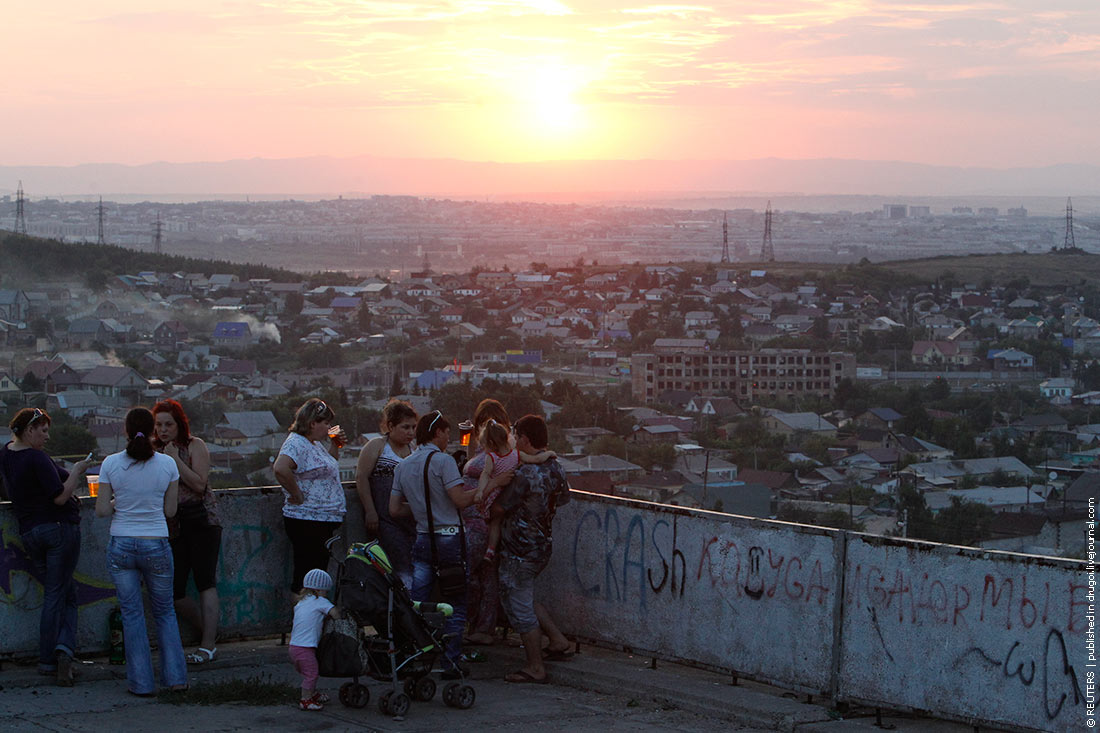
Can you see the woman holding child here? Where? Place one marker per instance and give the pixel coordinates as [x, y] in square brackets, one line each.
[494, 461]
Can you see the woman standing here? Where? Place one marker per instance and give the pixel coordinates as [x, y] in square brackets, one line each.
[139, 488]
[482, 593]
[49, 523]
[308, 471]
[195, 532]
[374, 479]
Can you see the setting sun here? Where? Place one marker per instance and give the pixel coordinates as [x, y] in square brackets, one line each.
[551, 103]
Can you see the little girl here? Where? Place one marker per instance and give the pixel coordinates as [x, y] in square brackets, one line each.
[309, 615]
[500, 457]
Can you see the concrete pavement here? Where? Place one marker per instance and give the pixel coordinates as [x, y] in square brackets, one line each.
[597, 690]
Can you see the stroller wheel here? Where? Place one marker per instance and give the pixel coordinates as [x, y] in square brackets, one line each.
[399, 705]
[464, 697]
[410, 687]
[354, 695]
[449, 691]
[424, 689]
[384, 702]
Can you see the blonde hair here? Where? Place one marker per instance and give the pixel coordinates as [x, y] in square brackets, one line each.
[312, 410]
[494, 437]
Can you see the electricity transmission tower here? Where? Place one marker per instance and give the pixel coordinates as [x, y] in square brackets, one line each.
[725, 240]
[157, 229]
[100, 238]
[20, 218]
[1069, 243]
[767, 249]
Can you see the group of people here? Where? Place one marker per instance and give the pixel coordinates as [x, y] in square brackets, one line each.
[164, 531]
[477, 531]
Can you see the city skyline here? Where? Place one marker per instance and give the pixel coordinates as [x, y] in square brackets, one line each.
[992, 84]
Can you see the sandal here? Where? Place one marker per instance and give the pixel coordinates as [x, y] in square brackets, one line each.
[202, 656]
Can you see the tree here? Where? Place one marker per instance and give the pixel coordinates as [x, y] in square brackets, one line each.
[396, 387]
[294, 304]
[913, 509]
[607, 445]
[70, 440]
[963, 522]
[30, 383]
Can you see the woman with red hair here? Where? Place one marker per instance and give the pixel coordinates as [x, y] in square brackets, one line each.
[196, 533]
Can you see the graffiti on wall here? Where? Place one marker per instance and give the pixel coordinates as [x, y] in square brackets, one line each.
[642, 555]
[250, 596]
[28, 596]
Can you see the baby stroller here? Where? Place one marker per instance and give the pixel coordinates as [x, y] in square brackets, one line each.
[407, 641]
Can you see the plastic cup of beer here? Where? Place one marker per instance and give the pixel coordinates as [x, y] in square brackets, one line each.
[464, 429]
[334, 435]
[93, 484]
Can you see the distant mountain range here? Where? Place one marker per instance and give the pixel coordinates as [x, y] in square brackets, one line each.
[555, 180]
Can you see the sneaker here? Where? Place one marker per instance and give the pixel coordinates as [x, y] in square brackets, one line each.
[311, 704]
[321, 698]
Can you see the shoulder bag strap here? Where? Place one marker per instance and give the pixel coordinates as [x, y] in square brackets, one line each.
[428, 506]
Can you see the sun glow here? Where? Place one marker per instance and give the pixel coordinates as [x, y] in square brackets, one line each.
[546, 94]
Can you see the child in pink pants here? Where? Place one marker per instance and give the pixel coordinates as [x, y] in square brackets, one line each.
[309, 615]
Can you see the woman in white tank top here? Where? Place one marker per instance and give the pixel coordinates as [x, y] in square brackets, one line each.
[144, 487]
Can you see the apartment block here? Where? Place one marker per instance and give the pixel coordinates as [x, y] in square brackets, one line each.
[688, 364]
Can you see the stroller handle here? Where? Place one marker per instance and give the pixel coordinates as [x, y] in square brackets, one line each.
[424, 607]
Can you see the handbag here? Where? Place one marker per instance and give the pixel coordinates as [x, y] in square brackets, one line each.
[450, 578]
[339, 652]
[192, 512]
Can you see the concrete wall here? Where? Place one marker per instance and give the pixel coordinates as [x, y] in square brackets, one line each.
[725, 591]
[984, 636]
[253, 573]
[976, 635]
[967, 633]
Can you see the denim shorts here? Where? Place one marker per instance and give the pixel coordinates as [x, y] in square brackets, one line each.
[517, 591]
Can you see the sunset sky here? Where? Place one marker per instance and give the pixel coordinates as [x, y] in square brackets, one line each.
[986, 83]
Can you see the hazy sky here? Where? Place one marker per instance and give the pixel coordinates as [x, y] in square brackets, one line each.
[992, 83]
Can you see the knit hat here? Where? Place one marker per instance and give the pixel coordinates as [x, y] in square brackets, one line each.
[317, 579]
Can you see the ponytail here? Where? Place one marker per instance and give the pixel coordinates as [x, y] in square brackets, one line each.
[139, 430]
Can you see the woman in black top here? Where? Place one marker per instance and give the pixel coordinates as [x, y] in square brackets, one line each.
[49, 522]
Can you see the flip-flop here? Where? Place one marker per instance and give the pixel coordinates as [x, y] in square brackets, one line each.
[520, 677]
[558, 655]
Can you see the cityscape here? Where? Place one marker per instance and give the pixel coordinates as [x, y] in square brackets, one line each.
[534, 364]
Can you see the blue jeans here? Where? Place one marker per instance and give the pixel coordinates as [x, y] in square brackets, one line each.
[53, 549]
[129, 560]
[449, 550]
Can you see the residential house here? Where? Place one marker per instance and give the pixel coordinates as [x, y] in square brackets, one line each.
[14, 306]
[1010, 359]
[232, 335]
[792, 423]
[169, 334]
[116, 384]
